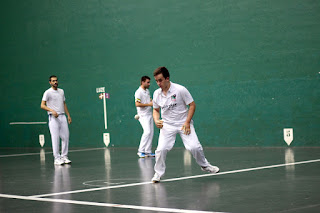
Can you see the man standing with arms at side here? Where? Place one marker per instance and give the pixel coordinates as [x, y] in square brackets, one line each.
[173, 100]
[144, 109]
[53, 101]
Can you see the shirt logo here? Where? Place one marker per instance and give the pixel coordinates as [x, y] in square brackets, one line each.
[174, 97]
[169, 107]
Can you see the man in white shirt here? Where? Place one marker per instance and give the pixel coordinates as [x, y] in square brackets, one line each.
[143, 103]
[53, 101]
[173, 100]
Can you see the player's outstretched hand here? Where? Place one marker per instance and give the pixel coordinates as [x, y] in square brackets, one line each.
[69, 120]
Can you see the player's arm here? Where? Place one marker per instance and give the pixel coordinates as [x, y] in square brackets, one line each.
[138, 104]
[156, 117]
[67, 112]
[186, 125]
[44, 106]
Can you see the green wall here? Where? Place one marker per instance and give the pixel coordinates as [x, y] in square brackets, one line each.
[252, 67]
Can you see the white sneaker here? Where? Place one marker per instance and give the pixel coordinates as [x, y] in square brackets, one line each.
[150, 155]
[66, 160]
[156, 178]
[211, 169]
[58, 161]
[141, 154]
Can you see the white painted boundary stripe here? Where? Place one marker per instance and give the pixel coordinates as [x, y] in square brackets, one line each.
[177, 179]
[92, 189]
[244, 170]
[17, 155]
[103, 204]
[26, 123]
[77, 150]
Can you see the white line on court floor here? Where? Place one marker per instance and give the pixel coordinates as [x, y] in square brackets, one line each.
[37, 153]
[158, 209]
[177, 179]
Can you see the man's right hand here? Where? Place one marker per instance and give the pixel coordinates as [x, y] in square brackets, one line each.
[55, 114]
[159, 123]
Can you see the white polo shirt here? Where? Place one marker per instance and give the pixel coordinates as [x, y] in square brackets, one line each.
[143, 96]
[173, 106]
[54, 100]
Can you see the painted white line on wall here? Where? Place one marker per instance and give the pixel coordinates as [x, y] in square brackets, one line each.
[86, 203]
[105, 111]
[26, 123]
[178, 179]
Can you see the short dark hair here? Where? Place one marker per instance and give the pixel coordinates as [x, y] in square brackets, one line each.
[52, 76]
[162, 70]
[144, 78]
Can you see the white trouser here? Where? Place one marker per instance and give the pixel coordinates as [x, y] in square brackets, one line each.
[146, 122]
[166, 141]
[59, 129]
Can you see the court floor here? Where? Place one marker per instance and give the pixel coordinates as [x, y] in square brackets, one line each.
[115, 180]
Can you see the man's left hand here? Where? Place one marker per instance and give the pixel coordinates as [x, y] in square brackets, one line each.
[186, 128]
